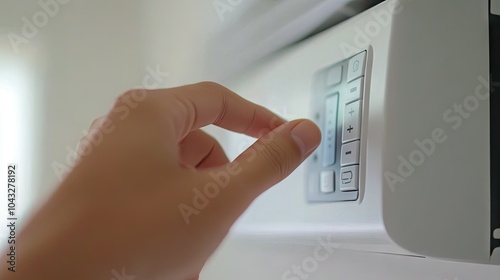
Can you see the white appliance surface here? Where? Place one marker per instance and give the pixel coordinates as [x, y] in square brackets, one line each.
[399, 50]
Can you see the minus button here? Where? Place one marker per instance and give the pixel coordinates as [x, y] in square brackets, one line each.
[350, 153]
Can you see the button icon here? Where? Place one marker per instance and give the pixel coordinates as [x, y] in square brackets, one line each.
[346, 177]
[355, 67]
[352, 122]
[350, 153]
[350, 129]
[349, 178]
[354, 90]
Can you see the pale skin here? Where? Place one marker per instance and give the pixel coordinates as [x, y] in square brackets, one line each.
[119, 206]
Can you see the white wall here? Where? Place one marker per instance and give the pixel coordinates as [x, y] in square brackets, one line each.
[86, 54]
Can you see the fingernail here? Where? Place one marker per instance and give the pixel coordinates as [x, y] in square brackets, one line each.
[307, 136]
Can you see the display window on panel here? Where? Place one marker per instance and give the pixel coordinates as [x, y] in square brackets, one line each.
[333, 173]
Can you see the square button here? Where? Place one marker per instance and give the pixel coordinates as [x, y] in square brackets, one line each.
[354, 90]
[327, 181]
[350, 153]
[351, 129]
[349, 178]
[334, 76]
[356, 66]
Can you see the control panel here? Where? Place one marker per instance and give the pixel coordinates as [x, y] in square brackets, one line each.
[333, 170]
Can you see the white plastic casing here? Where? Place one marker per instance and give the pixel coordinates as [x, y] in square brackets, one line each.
[423, 57]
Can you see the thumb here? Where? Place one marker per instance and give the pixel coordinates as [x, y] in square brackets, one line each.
[277, 154]
[269, 160]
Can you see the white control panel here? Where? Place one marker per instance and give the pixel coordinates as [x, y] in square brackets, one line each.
[338, 103]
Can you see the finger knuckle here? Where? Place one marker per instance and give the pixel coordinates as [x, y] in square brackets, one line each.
[132, 96]
[277, 158]
[220, 92]
[211, 86]
[96, 122]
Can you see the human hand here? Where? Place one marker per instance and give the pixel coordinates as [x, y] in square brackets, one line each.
[133, 201]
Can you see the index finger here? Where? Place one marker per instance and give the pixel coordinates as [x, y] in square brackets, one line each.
[205, 103]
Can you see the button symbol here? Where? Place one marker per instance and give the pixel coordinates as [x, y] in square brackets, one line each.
[355, 66]
[352, 122]
[349, 154]
[349, 178]
[346, 177]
